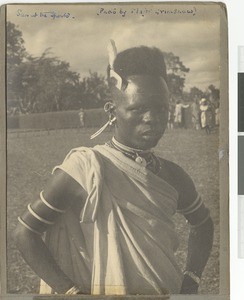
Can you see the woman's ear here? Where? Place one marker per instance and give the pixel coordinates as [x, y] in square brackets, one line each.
[109, 106]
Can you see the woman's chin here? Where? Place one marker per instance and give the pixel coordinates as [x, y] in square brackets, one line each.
[148, 142]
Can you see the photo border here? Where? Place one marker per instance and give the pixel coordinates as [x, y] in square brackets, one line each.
[223, 167]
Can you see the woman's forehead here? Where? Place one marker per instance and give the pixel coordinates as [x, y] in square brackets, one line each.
[147, 85]
[142, 89]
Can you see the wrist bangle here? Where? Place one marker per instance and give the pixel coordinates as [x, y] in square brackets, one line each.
[193, 276]
[73, 291]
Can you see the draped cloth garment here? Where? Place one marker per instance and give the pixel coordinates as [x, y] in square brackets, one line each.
[123, 239]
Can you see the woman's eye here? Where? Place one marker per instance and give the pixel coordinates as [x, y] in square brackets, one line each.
[137, 109]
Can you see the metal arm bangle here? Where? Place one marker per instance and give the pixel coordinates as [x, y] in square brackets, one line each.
[193, 207]
[28, 227]
[49, 205]
[201, 222]
[34, 214]
[193, 276]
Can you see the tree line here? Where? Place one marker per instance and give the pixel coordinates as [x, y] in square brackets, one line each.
[46, 83]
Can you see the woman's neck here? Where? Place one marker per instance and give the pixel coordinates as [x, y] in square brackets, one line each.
[127, 148]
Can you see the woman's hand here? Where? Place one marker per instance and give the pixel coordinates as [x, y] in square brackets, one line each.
[189, 286]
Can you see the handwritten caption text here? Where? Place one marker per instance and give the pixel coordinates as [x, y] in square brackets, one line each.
[145, 11]
[45, 14]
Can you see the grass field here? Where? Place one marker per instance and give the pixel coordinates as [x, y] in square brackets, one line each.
[32, 155]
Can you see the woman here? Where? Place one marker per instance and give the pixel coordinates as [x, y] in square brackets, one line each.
[206, 116]
[107, 211]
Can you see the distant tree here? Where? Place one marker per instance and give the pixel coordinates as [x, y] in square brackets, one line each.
[49, 84]
[93, 91]
[16, 51]
[46, 83]
[176, 72]
[16, 55]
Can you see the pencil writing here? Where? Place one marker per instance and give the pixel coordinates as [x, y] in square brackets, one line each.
[45, 14]
[145, 11]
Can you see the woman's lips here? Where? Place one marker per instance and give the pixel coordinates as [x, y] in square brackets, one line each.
[152, 133]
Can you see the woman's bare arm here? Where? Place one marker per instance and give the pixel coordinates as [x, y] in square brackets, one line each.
[200, 239]
[60, 193]
[39, 258]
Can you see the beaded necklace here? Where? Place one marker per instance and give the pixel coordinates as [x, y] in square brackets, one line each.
[145, 158]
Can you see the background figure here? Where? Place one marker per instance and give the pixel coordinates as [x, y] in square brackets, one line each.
[81, 116]
[195, 114]
[206, 115]
[186, 121]
[178, 114]
[217, 115]
[171, 116]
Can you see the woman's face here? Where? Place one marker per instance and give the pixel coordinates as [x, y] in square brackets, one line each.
[142, 112]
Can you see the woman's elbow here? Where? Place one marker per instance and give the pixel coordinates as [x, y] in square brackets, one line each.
[23, 237]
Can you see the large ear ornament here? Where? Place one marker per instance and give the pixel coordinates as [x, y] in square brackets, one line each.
[110, 122]
[97, 133]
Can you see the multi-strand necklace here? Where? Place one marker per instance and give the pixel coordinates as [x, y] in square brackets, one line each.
[145, 158]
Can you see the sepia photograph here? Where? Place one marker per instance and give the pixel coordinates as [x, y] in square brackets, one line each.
[117, 132]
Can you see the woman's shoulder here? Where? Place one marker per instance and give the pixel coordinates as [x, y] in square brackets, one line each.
[173, 169]
[177, 177]
[79, 156]
[77, 164]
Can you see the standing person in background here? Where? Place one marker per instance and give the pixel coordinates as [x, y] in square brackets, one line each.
[206, 115]
[171, 116]
[195, 114]
[217, 114]
[178, 114]
[81, 116]
[186, 116]
[108, 211]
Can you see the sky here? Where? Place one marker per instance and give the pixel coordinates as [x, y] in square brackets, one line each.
[79, 34]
